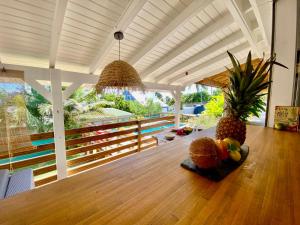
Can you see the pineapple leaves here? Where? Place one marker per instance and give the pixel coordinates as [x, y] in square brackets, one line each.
[245, 93]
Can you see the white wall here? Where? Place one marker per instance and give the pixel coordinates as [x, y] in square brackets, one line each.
[285, 49]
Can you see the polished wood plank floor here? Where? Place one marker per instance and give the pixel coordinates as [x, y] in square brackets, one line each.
[152, 188]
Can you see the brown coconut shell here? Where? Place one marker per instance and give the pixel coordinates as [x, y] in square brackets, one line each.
[204, 153]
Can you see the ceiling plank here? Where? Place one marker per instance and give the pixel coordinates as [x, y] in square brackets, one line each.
[190, 11]
[135, 6]
[238, 16]
[59, 15]
[223, 21]
[193, 71]
[162, 78]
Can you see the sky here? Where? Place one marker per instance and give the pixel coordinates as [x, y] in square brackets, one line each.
[11, 87]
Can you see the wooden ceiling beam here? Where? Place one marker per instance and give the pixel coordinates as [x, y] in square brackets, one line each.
[211, 83]
[59, 15]
[190, 11]
[135, 6]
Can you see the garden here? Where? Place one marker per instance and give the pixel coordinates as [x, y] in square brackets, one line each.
[29, 108]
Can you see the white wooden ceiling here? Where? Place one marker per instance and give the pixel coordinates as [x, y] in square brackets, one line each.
[164, 39]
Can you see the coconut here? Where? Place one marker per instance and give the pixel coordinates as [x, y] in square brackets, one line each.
[204, 153]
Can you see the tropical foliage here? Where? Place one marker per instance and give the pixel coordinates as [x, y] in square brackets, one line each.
[39, 110]
[215, 106]
[134, 106]
[198, 97]
[13, 106]
[167, 100]
[37, 119]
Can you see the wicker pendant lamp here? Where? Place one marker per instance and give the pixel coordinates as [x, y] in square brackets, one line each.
[119, 75]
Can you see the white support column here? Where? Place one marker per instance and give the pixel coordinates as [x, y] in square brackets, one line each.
[177, 96]
[70, 90]
[58, 123]
[285, 49]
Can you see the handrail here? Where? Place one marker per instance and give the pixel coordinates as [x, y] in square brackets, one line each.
[85, 148]
[100, 127]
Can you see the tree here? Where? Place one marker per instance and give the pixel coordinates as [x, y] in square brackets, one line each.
[159, 96]
[217, 91]
[134, 106]
[152, 107]
[215, 106]
[202, 96]
[35, 120]
[81, 101]
[170, 101]
[19, 114]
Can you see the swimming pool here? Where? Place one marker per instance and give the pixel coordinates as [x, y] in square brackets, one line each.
[32, 155]
[160, 128]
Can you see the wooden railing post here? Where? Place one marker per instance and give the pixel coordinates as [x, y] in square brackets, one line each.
[139, 134]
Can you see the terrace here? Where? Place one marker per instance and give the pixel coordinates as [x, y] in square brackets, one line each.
[118, 172]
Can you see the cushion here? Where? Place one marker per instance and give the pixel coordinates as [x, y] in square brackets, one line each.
[4, 178]
[19, 182]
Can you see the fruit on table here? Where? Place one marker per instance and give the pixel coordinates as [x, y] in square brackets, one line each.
[203, 152]
[222, 149]
[180, 132]
[188, 130]
[232, 141]
[243, 95]
[230, 126]
[235, 155]
[280, 126]
[184, 131]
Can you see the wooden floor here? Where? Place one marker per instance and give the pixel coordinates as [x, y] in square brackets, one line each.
[152, 188]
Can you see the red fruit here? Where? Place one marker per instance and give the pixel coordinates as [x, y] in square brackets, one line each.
[180, 132]
[222, 149]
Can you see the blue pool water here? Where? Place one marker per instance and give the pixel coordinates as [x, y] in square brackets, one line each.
[42, 142]
[28, 156]
[160, 128]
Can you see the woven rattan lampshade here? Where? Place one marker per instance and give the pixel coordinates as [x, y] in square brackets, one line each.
[119, 75]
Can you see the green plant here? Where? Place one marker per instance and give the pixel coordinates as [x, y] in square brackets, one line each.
[203, 121]
[202, 96]
[215, 106]
[134, 106]
[170, 101]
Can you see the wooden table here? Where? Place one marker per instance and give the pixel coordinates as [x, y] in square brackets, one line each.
[151, 188]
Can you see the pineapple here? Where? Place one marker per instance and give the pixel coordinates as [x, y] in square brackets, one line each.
[243, 96]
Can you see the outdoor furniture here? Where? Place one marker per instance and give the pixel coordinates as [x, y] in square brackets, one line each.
[16, 183]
